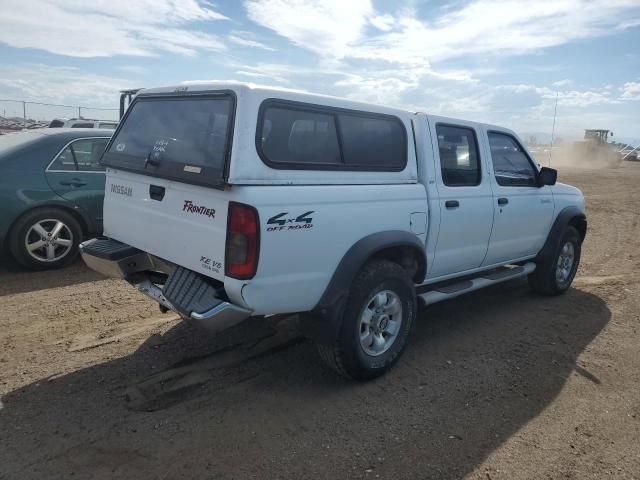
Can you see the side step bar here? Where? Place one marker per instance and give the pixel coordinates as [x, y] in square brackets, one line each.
[485, 279]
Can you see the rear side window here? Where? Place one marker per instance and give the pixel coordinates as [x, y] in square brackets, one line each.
[511, 164]
[183, 138]
[82, 125]
[299, 137]
[302, 136]
[372, 141]
[459, 161]
[64, 162]
[81, 155]
[88, 153]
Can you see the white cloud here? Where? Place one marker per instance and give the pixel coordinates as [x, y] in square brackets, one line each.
[134, 69]
[64, 85]
[383, 22]
[336, 28]
[103, 28]
[562, 83]
[327, 27]
[631, 91]
[246, 39]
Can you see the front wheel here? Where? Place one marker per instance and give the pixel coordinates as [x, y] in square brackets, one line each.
[377, 318]
[555, 275]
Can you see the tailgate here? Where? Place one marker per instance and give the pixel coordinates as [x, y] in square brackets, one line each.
[184, 224]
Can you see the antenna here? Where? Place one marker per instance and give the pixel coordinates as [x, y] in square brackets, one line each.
[553, 129]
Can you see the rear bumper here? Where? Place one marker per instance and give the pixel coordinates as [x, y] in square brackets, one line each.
[143, 270]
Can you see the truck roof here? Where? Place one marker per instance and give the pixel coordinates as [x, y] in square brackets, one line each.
[247, 87]
[244, 88]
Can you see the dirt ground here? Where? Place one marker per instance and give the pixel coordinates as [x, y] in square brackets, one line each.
[502, 384]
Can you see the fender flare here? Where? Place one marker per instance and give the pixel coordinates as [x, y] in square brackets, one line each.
[567, 216]
[323, 322]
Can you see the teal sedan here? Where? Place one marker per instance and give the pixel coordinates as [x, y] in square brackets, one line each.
[51, 193]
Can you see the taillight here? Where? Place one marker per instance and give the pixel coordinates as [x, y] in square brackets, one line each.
[243, 236]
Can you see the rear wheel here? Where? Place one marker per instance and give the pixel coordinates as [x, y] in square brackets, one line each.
[45, 238]
[554, 276]
[377, 318]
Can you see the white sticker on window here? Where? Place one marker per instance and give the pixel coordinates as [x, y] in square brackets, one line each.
[192, 169]
[120, 147]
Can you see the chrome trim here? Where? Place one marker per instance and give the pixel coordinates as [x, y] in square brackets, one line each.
[125, 266]
[222, 316]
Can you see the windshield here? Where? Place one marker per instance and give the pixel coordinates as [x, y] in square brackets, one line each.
[182, 138]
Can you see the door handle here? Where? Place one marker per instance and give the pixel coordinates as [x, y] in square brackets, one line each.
[156, 192]
[503, 201]
[452, 204]
[74, 182]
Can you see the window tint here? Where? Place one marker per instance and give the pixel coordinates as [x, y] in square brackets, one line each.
[372, 142]
[88, 153]
[295, 137]
[65, 161]
[459, 161]
[299, 137]
[83, 155]
[174, 134]
[510, 163]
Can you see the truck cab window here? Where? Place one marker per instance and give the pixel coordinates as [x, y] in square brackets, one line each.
[459, 160]
[511, 164]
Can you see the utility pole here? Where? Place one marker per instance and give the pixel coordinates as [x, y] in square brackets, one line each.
[553, 129]
[24, 113]
[79, 112]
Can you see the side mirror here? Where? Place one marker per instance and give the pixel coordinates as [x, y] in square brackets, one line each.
[547, 176]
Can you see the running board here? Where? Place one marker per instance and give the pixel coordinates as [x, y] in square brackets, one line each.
[484, 279]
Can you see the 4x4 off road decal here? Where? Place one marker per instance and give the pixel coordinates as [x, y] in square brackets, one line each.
[191, 208]
[282, 222]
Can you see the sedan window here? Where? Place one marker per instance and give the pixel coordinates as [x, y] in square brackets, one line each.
[81, 155]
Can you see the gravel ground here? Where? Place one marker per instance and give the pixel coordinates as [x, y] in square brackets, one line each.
[501, 384]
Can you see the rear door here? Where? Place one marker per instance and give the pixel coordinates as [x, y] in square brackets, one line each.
[523, 212]
[76, 175]
[464, 199]
[165, 178]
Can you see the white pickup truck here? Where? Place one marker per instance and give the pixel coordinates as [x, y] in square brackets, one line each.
[226, 200]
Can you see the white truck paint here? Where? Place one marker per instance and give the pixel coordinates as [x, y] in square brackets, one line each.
[310, 216]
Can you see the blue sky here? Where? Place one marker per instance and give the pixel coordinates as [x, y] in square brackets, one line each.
[500, 61]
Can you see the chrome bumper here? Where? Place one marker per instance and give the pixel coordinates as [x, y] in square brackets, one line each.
[117, 260]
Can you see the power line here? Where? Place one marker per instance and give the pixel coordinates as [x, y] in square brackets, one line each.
[56, 104]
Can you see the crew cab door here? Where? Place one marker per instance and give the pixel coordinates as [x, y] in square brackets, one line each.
[76, 175]
[464, 199]
[522, 211]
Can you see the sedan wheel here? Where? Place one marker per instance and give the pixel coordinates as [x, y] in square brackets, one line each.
[45, 238]
[49, 240]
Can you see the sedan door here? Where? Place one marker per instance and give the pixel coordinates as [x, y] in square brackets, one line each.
[76, 175]
[523, 211]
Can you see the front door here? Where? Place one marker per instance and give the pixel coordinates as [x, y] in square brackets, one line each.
[77, 176]
[523, 211]
[464, 198]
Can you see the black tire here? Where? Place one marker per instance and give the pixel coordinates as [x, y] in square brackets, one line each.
[347, 356]
[71, 234]
[544, 279]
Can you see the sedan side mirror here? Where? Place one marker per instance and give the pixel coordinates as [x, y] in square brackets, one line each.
[547, 176]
